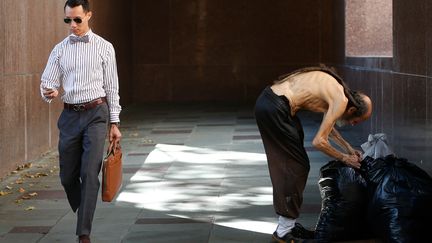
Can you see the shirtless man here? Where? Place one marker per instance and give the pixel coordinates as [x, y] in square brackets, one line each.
[317, 90]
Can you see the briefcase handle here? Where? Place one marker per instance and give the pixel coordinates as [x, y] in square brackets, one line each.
[113, 147]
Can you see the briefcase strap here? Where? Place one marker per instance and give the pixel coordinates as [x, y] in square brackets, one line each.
[112, 148]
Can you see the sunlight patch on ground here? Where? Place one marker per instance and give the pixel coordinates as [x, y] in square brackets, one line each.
[251, 225]
[204, 181]
[175, 153]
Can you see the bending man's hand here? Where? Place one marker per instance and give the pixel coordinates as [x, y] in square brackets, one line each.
[358, 153]
[352, 160]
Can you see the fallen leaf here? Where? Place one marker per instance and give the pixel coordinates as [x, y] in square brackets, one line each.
[2, 193]
[19, 181]
[18, 201]
[149, 141]
[30, 208]
[9, 188]
[25, 197]
[21, 190]
[33, 194]
[29, 176]
[41, 174]
[14, 172]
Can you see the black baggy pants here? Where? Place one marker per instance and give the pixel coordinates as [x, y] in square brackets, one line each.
[81, 151]
[282, 135]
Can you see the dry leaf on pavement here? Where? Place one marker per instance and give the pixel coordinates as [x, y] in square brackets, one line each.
[2, 193]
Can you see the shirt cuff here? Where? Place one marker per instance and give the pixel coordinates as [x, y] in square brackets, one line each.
[46, 99]
[114, 117]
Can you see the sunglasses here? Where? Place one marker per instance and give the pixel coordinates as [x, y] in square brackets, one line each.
[76, 20]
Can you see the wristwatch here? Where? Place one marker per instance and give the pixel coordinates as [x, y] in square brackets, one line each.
[117, 124]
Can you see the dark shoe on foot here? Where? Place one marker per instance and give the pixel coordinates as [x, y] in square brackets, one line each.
[297, 235]
[300, 232]
[84, 239]
[288, 238]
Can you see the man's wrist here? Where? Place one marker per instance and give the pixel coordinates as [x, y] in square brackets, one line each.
[117, 124]
[342, 157]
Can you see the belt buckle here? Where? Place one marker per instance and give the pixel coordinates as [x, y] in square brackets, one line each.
[79, 107]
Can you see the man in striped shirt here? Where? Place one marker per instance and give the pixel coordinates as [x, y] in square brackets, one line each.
[84, 66]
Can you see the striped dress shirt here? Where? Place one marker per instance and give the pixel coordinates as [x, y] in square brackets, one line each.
[86, 71]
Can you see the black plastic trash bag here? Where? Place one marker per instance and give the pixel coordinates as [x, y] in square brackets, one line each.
[400, 195]
[344, 204]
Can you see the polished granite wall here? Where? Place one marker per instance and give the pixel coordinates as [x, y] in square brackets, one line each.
[221, 50]
[401, 86]
[28, 33]
[112, 20]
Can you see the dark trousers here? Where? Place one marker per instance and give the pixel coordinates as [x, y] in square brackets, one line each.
[81, 151]
[283, 138]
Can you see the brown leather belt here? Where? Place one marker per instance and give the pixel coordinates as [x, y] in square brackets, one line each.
[85, 106]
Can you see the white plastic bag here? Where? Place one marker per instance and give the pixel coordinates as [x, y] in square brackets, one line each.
[376, 146]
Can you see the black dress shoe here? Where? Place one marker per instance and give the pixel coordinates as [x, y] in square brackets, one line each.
[288, 238]
[84, 239]
[298, 234]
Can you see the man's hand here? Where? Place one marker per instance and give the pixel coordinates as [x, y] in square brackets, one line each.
[358, 153]
[114, 135]
[352, 160]
[50, 93]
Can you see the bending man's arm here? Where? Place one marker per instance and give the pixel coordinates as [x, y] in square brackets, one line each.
[338, 139]
[321, 140]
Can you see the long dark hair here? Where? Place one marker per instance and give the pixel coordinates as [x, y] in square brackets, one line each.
[355, 98]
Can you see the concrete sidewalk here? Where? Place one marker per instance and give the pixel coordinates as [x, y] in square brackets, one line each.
[192, 174]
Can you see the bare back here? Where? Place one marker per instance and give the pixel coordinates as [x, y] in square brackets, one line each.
[314, 91]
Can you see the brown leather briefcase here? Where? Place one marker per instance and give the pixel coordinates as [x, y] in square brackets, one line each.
[112, 173]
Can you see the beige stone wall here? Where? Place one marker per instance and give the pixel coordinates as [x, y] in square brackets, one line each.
[369, 28]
